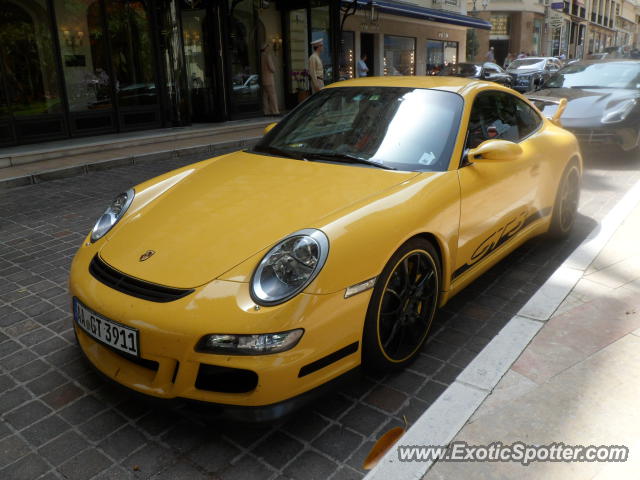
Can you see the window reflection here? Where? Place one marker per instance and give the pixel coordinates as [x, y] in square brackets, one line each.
[26, 51]
[84, 54]
[244, 56]
[132, 52]
[320, 28]
[399, 55]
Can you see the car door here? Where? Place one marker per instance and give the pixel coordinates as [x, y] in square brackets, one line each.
[498, 198]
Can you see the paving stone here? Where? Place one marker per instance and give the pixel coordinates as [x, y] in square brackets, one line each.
[27, 414]
[431, 391]
[27, 468]
[85, 465]
[81, 410]
[338, 443]
[148, 461]
[44, 430]
[214, 455]
[13, 398]
[122, 442]
[386, 398]
[305, 425]
[278, 449]
[30, 371]
[62, 395]
[310, 466]
[363, 419]
[62, 448]
[11, 449]
[102, 425]
[180, 470]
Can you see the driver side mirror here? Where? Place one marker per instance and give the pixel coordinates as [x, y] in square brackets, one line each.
[268, 128]
[538, 82]
[494, 150]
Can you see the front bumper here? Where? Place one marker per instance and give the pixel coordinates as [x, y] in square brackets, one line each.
[170, 368]
[625, 137]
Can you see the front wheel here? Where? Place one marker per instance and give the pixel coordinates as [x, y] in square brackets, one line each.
[402, 307]
[565, 209]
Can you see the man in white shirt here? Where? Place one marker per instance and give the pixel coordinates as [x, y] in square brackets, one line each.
[363, 70]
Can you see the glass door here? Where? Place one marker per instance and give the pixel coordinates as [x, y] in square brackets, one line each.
[86, 66]
[133, 63]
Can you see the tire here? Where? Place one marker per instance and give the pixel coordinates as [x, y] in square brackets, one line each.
[565, 208]
[402, 307]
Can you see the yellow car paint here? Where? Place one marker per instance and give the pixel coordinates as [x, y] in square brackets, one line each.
[243, 203]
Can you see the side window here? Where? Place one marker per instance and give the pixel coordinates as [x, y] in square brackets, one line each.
[500, 115]
[528, 119]
[493, 116]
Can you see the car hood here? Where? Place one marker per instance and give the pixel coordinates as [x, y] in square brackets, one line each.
[232, 208]
[585, 107]
[523, 71]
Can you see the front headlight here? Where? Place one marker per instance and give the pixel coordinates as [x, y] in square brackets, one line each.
[289, 267]
[261, 344]
[112, 214]
[620, 112]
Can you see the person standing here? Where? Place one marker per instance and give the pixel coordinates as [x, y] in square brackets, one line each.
[491, 57]
[269, 97]
[316, 69]
[508, 60]
[363, 70]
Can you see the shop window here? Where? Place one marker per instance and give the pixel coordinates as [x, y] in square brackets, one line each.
[347, 58]
[244, 56]
[499, 24]
[29, 64]
[132, 53]
[298, 51]
[83, 53]
[321, 28]
[399, 55]
[440, 54]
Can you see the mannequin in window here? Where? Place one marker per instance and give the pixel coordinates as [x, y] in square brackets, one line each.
[269, 97]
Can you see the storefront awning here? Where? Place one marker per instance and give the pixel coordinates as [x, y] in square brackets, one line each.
[423, 13]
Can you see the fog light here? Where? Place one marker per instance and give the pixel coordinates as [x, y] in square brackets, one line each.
[262, 344]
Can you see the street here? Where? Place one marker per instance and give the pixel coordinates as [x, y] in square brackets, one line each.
[62, 420]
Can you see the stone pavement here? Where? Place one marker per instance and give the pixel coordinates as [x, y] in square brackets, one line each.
[578, 381]
[58, 419]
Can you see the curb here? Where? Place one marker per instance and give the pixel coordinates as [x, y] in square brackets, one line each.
[214, 149]
[442, 421]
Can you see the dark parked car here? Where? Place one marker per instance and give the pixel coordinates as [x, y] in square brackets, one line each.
[528, 72]
[603, 101]
[483, 71]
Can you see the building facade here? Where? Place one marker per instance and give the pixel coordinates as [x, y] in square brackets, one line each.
[569, 28]
[71, 68]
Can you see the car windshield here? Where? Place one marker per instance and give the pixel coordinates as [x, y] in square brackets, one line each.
[597, 75]
[462, 69]
[527, 64]
[400, 128]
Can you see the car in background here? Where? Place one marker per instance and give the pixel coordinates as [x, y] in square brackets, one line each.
[530, 71]
[481, 71]
[603, 101]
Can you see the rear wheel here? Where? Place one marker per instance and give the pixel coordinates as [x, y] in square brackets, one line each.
[402, 307]
[565, 209]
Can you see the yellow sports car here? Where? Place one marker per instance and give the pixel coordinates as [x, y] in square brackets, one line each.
[252, 279]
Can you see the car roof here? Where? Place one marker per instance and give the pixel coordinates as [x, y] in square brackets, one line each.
[450, 84]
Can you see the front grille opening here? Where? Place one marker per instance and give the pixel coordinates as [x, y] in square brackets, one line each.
[143, 362]
[134, 286]
[225, 379]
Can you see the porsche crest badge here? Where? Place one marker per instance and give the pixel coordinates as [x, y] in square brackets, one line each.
[147, 255]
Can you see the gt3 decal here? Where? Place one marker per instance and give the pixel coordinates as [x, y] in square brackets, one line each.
[500, 236]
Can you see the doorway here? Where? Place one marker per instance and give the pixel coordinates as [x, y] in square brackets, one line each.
[367, 42]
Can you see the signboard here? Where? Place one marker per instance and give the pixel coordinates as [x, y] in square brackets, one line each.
[557, 5]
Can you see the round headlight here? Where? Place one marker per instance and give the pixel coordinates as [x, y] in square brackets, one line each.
[112, 214]
[289, 267]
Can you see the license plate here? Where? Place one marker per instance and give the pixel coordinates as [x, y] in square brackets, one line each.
[106, 331]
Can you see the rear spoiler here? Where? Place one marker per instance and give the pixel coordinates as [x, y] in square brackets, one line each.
[561, 102]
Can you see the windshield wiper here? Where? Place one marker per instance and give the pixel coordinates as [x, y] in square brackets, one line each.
[277, 151]
[349, 158]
